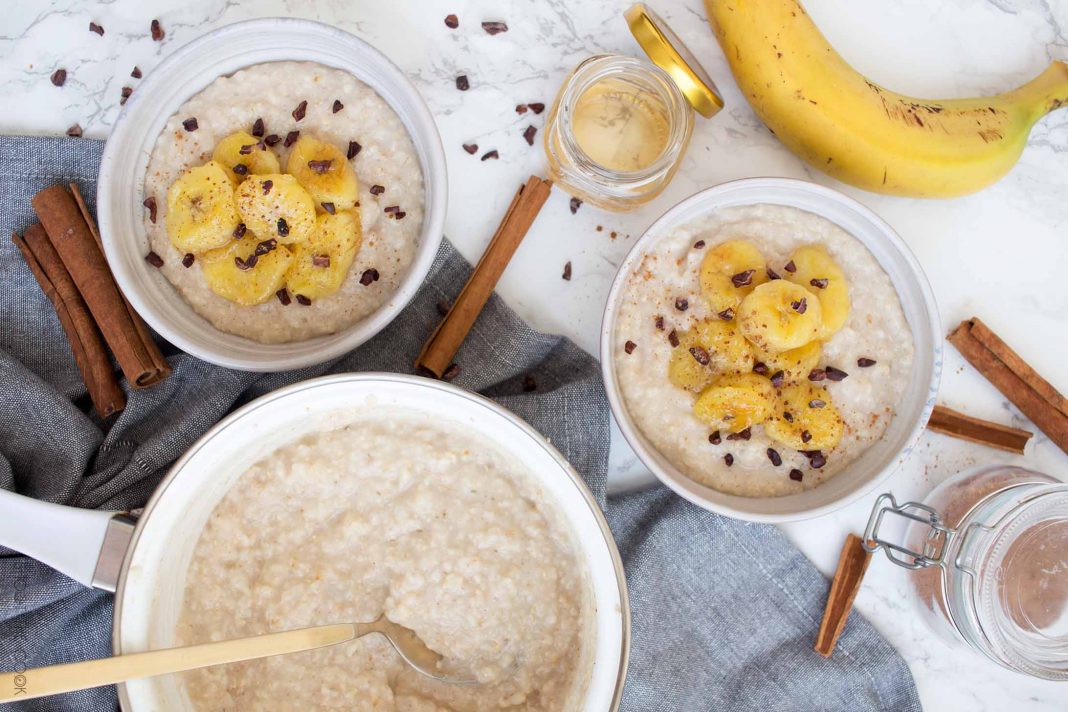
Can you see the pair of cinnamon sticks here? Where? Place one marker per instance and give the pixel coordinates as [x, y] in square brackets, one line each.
[66, 257]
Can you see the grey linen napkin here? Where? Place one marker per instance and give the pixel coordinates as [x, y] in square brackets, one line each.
[724, 612]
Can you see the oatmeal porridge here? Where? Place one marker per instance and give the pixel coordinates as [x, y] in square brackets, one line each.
[423, 522]
[327, 149]
[761, 349]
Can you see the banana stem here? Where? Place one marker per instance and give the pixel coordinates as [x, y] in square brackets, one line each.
[1046, 92]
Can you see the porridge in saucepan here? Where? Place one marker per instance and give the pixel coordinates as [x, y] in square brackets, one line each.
[760, 349]
[426, 523]
[284, 202]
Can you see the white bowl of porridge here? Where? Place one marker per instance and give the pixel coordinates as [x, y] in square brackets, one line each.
[345, 497]
[771, 349]
[272, 280]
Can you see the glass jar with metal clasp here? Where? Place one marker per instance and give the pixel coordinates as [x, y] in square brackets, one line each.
[989, 553]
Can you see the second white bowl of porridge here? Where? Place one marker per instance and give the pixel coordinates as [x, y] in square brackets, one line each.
[771, 349]
[273, 194]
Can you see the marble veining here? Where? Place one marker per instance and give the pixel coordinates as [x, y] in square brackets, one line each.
[998, 254]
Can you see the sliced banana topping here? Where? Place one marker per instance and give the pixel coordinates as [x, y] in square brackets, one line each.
[736, 402]
[276, 206]
[247, 271]
[729, 272]
[805, 419]
[791, 366]
[817, 272]
[321, 264]
[201, 211]
[779, 316]
[325, 173]
[241, 154]
[712, 348]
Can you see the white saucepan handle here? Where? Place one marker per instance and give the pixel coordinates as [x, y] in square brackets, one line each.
[86, 544]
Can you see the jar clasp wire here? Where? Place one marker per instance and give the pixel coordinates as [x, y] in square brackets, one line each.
[935, 542]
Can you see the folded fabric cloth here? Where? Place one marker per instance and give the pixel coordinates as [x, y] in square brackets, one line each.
[724, 613]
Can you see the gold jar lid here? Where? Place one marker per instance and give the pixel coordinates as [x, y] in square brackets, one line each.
[669, 53]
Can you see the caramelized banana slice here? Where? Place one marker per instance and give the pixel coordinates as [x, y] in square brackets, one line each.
[805, 419]
[276, 206]
[247, 272]
[729, 272]
[817, 272]
[794, 364]
[736, 402]
[241, 154]
[779, 316]
[321, 264]
[201, 212]
[324, 172]
[712, 348]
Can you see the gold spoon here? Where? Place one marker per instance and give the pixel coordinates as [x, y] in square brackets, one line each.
[54, 679]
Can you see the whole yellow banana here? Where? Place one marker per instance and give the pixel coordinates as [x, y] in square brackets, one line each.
[860, 133]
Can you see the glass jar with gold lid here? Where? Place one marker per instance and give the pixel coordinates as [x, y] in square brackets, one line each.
[619, 126]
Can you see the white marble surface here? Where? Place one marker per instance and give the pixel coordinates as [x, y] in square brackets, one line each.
[999, 254]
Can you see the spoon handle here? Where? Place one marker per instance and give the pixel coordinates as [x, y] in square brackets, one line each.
[55, 679]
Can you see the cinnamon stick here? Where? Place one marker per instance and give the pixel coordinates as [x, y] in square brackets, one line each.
[443, 344]
[1022, 385]
[86, 343]
[70, 232]
[950, 422]
[852, 563]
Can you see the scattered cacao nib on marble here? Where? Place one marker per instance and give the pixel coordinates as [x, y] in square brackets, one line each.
[443, 308]
[377, 189]
[191, 124]
[528, 135]
[462, 83]
[682, 304]
[567, 272]
[816, 403]
[452, 22]
[75, 131]
[301, 111]
[153, 259]
[537, 107]
[864, 362]
[494, 28]
[258, 128]
[271, 139]
[743, 279]
[529, 384]
[741, 434]
[321, 167]
[777, 379]
[188, 259]
[629, 347]
[790, 267]
[836, 374]
[157, 31]
[303, 301]
[471, 148]
[136, 73]
[575, 205]
[774, 456]
[521, 108]
[329, 207]
[796, 475]
[715, 438]
[239, 231]
[490, 154]
[93, 27]
[699, 245]
[369, 276]
[283, 227]
[728, 459]
[291, 138]
[126, 93]
[336, 106]
[321, 261]
[818, 283]
[726, 315]
[354, 150]
[760, 368]
[673, 338]
[772, 274]
[659, 323]
[805, 436]
[240, 169]
[817, 374]
[699, 355]
[150, 203]
[283, 296]
[266, 246]
[267, 185]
